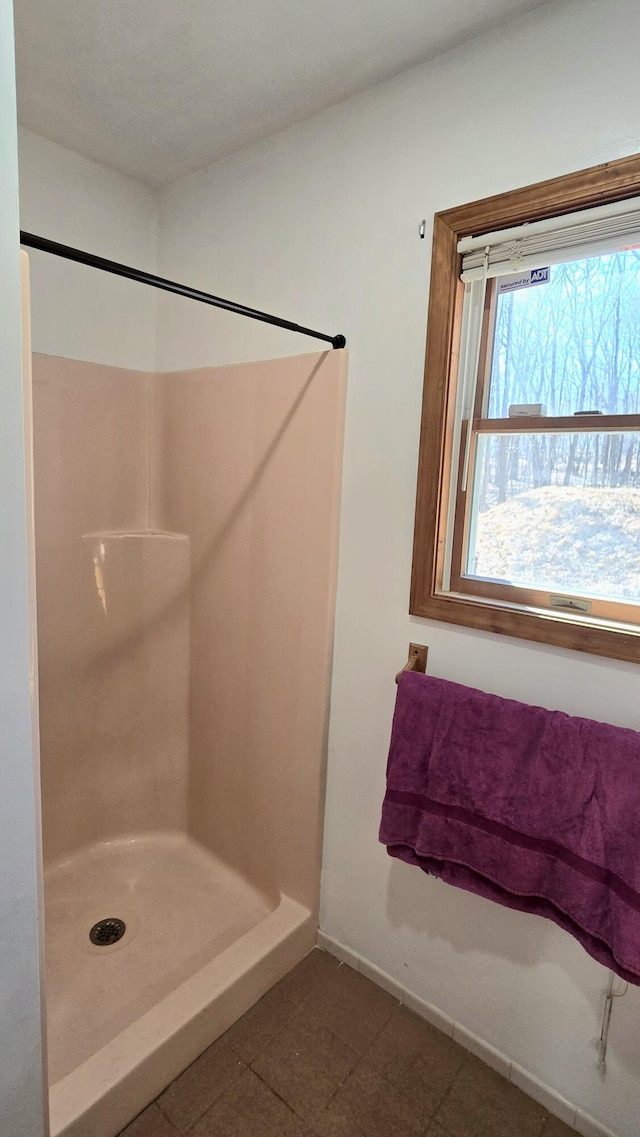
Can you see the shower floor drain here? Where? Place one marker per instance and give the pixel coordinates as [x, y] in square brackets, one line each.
[107, 931]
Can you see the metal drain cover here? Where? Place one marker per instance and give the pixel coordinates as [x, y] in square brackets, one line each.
[107, 931]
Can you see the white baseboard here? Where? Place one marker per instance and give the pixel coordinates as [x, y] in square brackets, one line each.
[551, 1100]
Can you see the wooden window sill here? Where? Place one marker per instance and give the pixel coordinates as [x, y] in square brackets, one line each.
[575, 633]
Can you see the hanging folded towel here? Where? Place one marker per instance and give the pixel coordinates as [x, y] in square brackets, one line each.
[534, 809]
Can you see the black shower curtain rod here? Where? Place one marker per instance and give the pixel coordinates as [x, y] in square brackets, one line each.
[71, 254]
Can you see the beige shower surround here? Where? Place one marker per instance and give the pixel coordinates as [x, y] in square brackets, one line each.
[186, 531]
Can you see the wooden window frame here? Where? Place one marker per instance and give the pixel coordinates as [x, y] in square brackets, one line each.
[495, 611]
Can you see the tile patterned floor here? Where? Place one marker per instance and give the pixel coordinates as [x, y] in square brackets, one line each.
[326, 1053]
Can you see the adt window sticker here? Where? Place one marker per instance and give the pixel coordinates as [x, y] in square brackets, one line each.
[526, 279]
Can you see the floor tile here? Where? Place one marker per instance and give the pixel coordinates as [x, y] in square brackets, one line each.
[300, 983]
[333, 1123]
[305, 1065]
[481, 1103]
[200, 1085]
[418, 1059]
[249, 1109]
[151, 1123]
[327, 1053]
[369, 1105]
[249, 1036]
[351, 1007]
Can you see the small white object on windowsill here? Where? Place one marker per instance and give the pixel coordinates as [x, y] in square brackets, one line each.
[527, 410]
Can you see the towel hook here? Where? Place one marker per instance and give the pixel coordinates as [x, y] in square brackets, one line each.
[417, 660]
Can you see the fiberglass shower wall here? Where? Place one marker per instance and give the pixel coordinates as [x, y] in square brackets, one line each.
[251, 471]
[113, 672]
[186, 513]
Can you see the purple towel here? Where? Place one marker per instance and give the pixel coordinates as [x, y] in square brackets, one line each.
[534, 809]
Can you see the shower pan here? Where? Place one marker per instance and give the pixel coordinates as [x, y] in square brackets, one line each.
[186, 541]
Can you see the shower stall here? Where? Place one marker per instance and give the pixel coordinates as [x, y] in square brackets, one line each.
[186, 540]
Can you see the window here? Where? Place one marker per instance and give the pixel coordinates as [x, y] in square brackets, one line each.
[528, 506]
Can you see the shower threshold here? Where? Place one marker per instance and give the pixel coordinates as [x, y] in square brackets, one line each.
[200, 945]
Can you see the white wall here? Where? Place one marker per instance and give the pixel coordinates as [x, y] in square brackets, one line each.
[320, 224]
[21, 1089]
[77, 311]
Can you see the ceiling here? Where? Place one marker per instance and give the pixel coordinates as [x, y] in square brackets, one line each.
[156, 88]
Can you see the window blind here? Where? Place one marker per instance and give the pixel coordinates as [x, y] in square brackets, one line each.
[591, 232]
